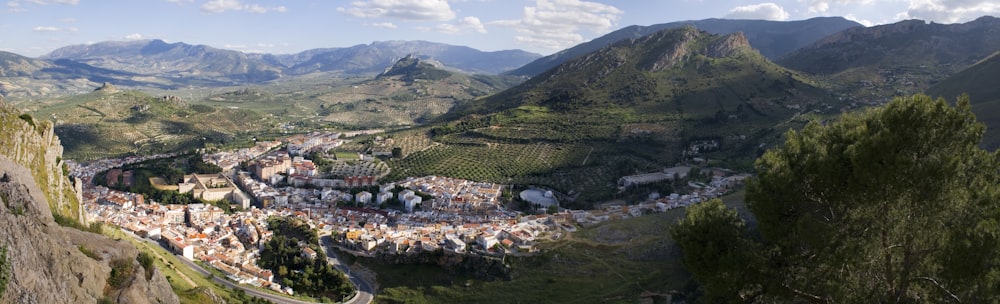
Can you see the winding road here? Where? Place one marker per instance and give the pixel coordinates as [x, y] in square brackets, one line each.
[366, 293]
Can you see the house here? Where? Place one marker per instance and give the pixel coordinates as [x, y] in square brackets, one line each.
[308, 253]
[363, 197]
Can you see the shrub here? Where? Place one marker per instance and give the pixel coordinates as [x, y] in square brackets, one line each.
[121, 271]
[4, 270]
[89, 253]
[146, 260]
[27, 117]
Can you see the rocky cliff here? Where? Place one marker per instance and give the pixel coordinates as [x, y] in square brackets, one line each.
[46, 262]
[32, 143]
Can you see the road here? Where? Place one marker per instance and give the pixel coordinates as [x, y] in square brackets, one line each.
[366, 293]
[249, 290]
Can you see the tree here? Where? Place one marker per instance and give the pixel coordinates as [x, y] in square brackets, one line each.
[894, 204]
[397, 152]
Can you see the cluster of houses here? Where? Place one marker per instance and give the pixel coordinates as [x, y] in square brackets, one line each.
[437, 212]
[229, 160]
[315, 141]
[230, 243]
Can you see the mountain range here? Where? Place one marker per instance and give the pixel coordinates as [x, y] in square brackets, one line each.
[907, 57]
[184, 60]
[157, 64]
[772, 38]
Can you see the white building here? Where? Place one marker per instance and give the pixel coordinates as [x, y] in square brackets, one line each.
[363, 197]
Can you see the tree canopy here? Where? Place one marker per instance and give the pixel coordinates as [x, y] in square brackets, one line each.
[893, 204]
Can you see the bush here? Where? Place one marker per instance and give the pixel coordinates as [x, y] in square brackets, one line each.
[122, 271]
[27, 117]
[146, 260]
[89, 253]
[4, 270]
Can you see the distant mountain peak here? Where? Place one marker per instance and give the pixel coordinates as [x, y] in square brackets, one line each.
[773, 39]
[411, 67]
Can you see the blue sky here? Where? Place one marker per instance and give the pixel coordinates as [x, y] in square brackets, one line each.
[36, 27]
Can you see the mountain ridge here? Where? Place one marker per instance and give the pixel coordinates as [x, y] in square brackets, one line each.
[151, 56]
[634, 106]
[771, 37]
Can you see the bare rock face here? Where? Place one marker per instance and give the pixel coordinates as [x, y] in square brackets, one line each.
[47, 261]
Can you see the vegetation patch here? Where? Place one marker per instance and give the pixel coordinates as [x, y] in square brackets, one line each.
[122, 272]
[286, 254]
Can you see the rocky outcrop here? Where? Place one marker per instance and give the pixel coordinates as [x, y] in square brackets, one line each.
[54, 264]
[32, 143]
[50, 263]
[729, 46]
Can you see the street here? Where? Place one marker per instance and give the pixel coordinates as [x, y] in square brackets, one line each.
[366, 293]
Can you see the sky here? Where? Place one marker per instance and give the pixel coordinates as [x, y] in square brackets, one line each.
[36, 27]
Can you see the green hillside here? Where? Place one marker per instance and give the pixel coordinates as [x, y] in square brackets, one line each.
[110, 123]
[980, 83]
[629, 108]
[873, 64]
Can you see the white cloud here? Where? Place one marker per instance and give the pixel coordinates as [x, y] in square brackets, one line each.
[761, 11]
[388, 25]
[133, 36]
[821, 6]
[14, 6]
[219, 6]
[950, 11]
[409, 10]
[46, 29]
[47, 2]
[55, 29]
[864, 22]
[558, 24]
[467, 24]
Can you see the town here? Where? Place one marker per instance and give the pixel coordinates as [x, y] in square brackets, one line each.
[432, 212]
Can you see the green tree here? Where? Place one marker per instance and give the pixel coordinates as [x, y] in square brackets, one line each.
[894, 204]
[5, 270]
[716, 251]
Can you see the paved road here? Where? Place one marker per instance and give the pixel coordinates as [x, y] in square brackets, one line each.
[366, 293]
[249, 290]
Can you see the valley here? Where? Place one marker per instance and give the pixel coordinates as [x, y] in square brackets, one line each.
[421, 172]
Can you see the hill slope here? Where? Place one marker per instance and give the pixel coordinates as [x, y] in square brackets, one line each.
[411, 91]
[111, 123]
[629, 108]
[901, 58]
[29, 77]
[772, 38]
[156, 57]
[979, 81]
[372, 58]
